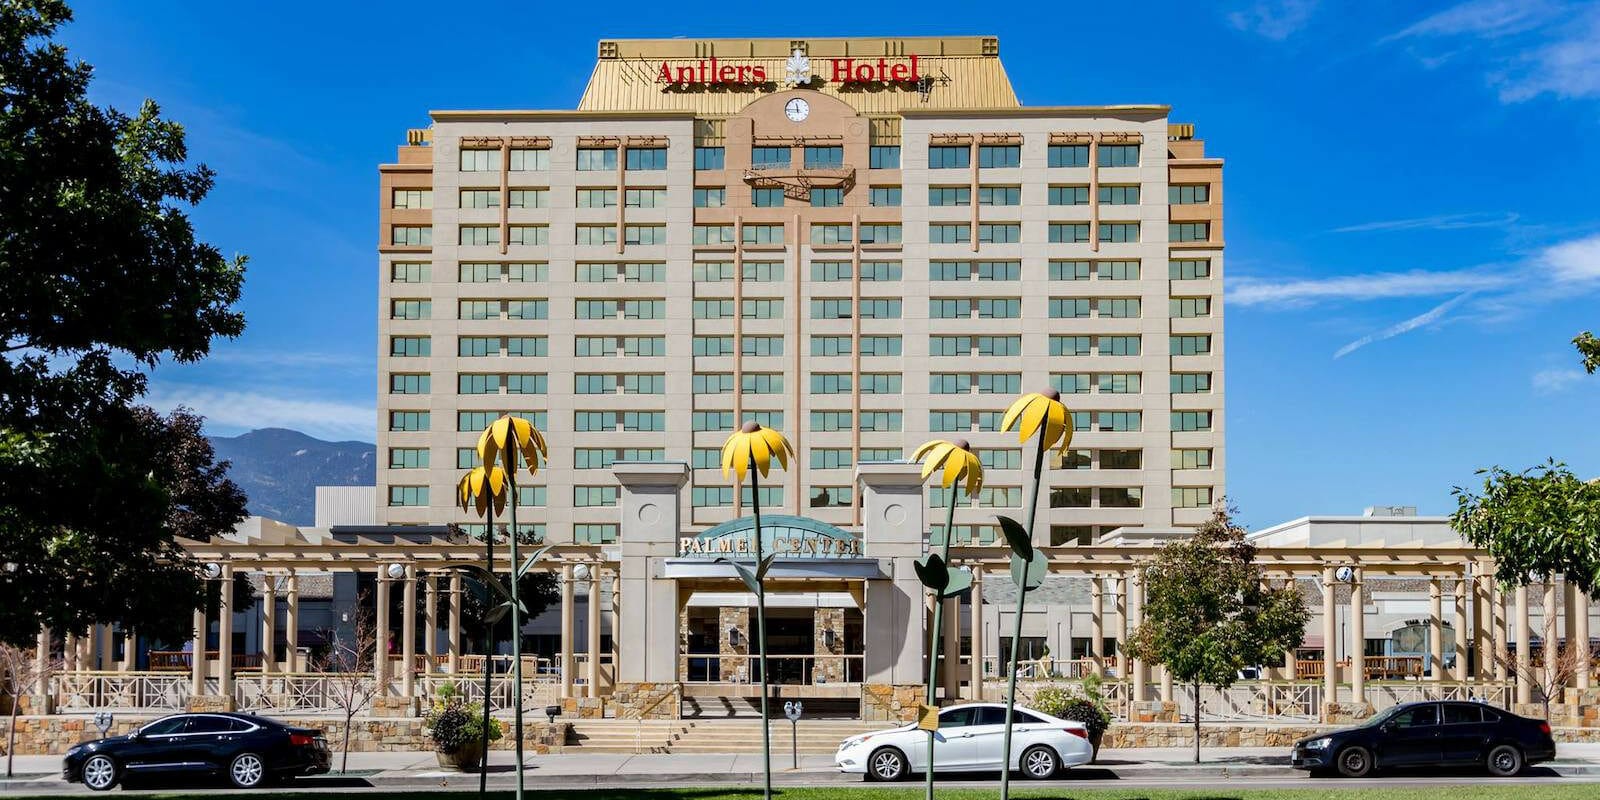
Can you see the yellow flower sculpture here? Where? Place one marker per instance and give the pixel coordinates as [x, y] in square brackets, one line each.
[478, 486]
[753, 443]
[957, 460]
[508, 436]
[1038, 411]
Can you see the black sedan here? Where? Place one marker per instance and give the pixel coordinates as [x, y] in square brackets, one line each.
[1449, 734]
[249, 750]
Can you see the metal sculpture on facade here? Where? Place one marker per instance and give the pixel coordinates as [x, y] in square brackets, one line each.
[954, 461]
[1044, 414]
[750, 450]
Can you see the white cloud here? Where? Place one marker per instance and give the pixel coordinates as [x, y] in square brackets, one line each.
[1576, 261]
[1550, 381]
[1530, 48]
[1486, 18]
[1373, 286]
[287, 358]
[243, 411]
[1438, 222]
[1428, 317]
[1274, 19]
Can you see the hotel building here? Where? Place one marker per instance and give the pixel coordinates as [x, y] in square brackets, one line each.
[865, 243]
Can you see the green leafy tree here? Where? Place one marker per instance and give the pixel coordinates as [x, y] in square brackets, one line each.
[1588, 347]
[1209, 614]
[1536, 523]
[101, 278]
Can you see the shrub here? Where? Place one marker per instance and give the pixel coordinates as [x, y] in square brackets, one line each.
[453, 723]
[1052, 700]
[1085, 711]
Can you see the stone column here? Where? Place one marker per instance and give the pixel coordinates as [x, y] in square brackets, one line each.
[291, 625]
[1330, 639]
[1135, 617]
[430, 628]
[380, 651]
[827, 668]
[1524, 648]
[651, 505]
[894, 512]
[979, 645]
[1461, 673]
[269, 622]
[1167, 694]
[41, 671]
[616, 625]
[1097, 630]
[454, 645]
[106, 656]
[1497, 610]
[197, 655]
[225, 634]
[1550, 616]
[1580, 638]
[1358, 641]
[1482, 625]
[1121, 604]
[593, 634]
[408, 633]
[951, 651]
[130, 644]
[733, 640]
[568, 604]
[1435, 631]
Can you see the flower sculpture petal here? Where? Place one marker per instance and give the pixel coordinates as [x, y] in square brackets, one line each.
[956, 459]
[1040, 411]
[754, 444]
[509, 436]
[481, 486]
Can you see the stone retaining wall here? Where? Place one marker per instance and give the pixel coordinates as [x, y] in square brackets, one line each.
[883, 702]
[54, 735]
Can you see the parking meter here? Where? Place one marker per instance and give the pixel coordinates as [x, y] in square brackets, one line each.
[792, 709]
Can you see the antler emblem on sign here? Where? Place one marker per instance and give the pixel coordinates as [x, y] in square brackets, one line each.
[797, 70]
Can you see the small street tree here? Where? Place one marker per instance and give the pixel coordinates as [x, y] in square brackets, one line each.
[19, 671]
[346, 666]
[1560, 663]
[1209, 614]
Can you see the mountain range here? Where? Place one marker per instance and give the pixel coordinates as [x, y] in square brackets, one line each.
[279, 469]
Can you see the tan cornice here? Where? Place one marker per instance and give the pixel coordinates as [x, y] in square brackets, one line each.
[1037, 111]
[510, 115]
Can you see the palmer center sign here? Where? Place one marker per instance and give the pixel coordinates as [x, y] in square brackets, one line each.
[782, 535]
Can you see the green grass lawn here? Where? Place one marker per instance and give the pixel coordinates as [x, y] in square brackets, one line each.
[1333, 791]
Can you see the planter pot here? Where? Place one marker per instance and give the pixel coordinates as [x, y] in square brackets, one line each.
[465, 759]
[1094, 742]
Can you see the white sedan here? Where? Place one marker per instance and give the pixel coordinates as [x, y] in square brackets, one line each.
[969, 739]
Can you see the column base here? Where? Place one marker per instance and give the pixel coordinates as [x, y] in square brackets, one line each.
[1345, 713]
[884, 702]
[38, 704]
[210, 702]
[1153, 711]
[394, 707]
[647, 700]
[583, 707]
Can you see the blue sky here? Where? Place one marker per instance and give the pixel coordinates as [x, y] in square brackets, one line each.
[1412, 223]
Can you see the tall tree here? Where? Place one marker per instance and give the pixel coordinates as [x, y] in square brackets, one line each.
[1536, 523]
[101, 278]
[1209, 613]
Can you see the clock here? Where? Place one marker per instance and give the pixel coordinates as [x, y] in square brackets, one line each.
[797, 110]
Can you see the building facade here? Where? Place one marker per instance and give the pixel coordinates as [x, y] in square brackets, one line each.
[865, 243]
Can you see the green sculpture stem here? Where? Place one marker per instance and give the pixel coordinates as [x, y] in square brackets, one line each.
[1016, 628]
[516, 626]
[938, 629]
[488, 647]
[761, 635]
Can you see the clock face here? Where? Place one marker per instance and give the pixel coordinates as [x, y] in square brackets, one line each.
[797, 110]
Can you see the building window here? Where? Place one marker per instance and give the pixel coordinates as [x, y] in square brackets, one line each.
[831, 458]
[1069, 270]
[408, 495]
[489, 272]
[605, 457]
[824, 157]
[408, 458]
[1119, 195]
[411, 235]
[1071, 383]
[828, 345]
[644, 198]
[1191, 382]
[1069, 307]
[408, 272]
[762, 234]
[766, 198]
[410, 346]
[1195, 458]
[409, 383]
[714, 308]
[830, 382]
[596, 234]
[1119, 383]
[1069, 232]
[644, 234]
[1121, 459]
[1117, 307]
[949, 195]
[949, 156]
[528, 159]
[410, 309]
[770, 157]
[1188, 269]
[592, 159]
[710, 198]
[1069, 195]
[480, 198]
[949, 233]
[762, 309]
[594, 533]
[1069, 345]
[999, 195]
[1116, 270]
[597, 198]
[1118, 155]
[761, 383]
[411, 198]
[881, 345]
[885, 196]
[529, 234]
[830, 234]
[708, 158]
[1117, 345]
[1114, 497]
[1070, 497]
[762, 345]
[530, 198]
[1186, 194]
[647, 158]
[594, 496]
[1119, 421]
[999, 155]
[1191, 420]
[1190, 307]
[479, 235]
[1191, 345]
[408, 420]
[1119, 231]
[712, 383]
[1191, 497]
[1068, 155]
[880, 233]
[880, 421]
[1000, 232]
[827, 198]
[1189, 231]
[884, 157]
[711, 420]
[480, 160]
[713, 234]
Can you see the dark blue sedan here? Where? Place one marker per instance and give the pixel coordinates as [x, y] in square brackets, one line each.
[1430, 734]
[249, 750]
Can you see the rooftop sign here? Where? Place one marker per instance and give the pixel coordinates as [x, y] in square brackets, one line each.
[798, 73]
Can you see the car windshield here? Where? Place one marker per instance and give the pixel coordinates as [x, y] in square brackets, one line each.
[1378, 719]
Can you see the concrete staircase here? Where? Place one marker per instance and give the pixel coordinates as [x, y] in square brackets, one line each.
[813, 737]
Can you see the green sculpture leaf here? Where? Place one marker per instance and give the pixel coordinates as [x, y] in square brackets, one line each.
[933, 573]
[1018, 537]
[537, 554]
[960, 581]
[1029, 574]
[751, 580]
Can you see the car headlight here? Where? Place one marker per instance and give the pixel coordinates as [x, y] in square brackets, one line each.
[1319, 744]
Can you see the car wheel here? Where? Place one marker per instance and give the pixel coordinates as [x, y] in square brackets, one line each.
[1504, 761]
[99, 773]
[1040, 762]
[886, 764]
[247, 771]
[1354, 762]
